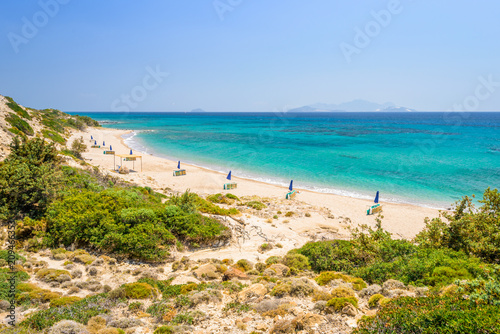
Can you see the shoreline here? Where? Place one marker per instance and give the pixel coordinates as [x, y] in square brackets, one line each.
[402, 219]
[330, 191]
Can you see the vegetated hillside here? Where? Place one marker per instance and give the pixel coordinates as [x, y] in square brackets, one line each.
[51, 124]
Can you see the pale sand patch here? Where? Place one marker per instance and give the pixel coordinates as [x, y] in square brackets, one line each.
[328, 211]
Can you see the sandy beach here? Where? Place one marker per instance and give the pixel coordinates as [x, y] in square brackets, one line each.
[330, 216]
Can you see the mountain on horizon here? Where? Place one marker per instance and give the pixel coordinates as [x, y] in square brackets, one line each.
[355, 105]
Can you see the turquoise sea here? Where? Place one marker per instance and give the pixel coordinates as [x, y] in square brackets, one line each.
[431, 159]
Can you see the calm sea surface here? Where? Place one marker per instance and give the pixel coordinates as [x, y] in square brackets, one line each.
[430, 159]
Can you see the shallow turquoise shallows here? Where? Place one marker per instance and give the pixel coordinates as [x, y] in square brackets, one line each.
[430, 159]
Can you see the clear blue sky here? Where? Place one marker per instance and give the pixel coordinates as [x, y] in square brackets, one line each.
[247, 55]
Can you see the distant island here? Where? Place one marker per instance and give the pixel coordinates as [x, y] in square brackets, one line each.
[355, 105]
[198, 110]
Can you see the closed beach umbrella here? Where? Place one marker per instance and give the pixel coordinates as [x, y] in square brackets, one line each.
[103, 143]
[91, 138]
[291, 185]
[110, 148]
[130, 151]
[229, 176]
[376, 197]
[95, 142]
[179, 165]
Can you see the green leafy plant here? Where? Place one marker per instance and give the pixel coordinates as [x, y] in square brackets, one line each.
[20, 124]
[434, 314]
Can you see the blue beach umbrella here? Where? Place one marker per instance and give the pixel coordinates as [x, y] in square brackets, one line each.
[291, 185]
[110, 148]
[376, 197]
[130, 151]
[91, 138]
[95, 142]
[103, 143]
[229, 176]
[179, 165]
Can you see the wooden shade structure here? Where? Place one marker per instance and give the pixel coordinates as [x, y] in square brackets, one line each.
[127, 157]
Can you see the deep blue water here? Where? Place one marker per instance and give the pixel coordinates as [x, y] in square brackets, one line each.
[426, 158]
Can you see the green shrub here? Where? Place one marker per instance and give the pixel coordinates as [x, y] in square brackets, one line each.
[20, 124]
[17, 108]
[265, 247]
[49, 274]
[190, 202]
[273, 259]
[281, 290]
[63, 301]
[434, 314]
[137, 290]
[4, 255]
[289, 214]
[373, 301]
[80, 311]
[236, 307]
[327, 276]
[222, 199]
[337, 255]
[339, 303]
[164, 330]
[231, 196]
[383, 301]
[471, 230]
[134, 306]
[375, 258]
[183, 318]
[29, 179]
[297, 261]
[20, 276]
[244, 264]
[256, 205]
[342, 291]
[434, 267]
[483, 291]
[54, 136]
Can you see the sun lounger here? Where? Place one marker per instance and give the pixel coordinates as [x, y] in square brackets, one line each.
[374, 209]
[109, 152]
[291, 194]
[179, 172]
[230, 186]
[95, 146]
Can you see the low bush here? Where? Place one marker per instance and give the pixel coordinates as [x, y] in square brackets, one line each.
[17, 108]
[236, 307]
[434, 314]
[342, 291]
[80, 311]
[164, 330]
[265, 247]
[5, 275]
[468, 229]
[244, 264]
[63, 301]
[327, 276]
[54, 136]
[20, 124]
[373, 301]
[273, 259]
[374, 257]
[138, 290]
[338, 303]
[256, 205]
[297, 261]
